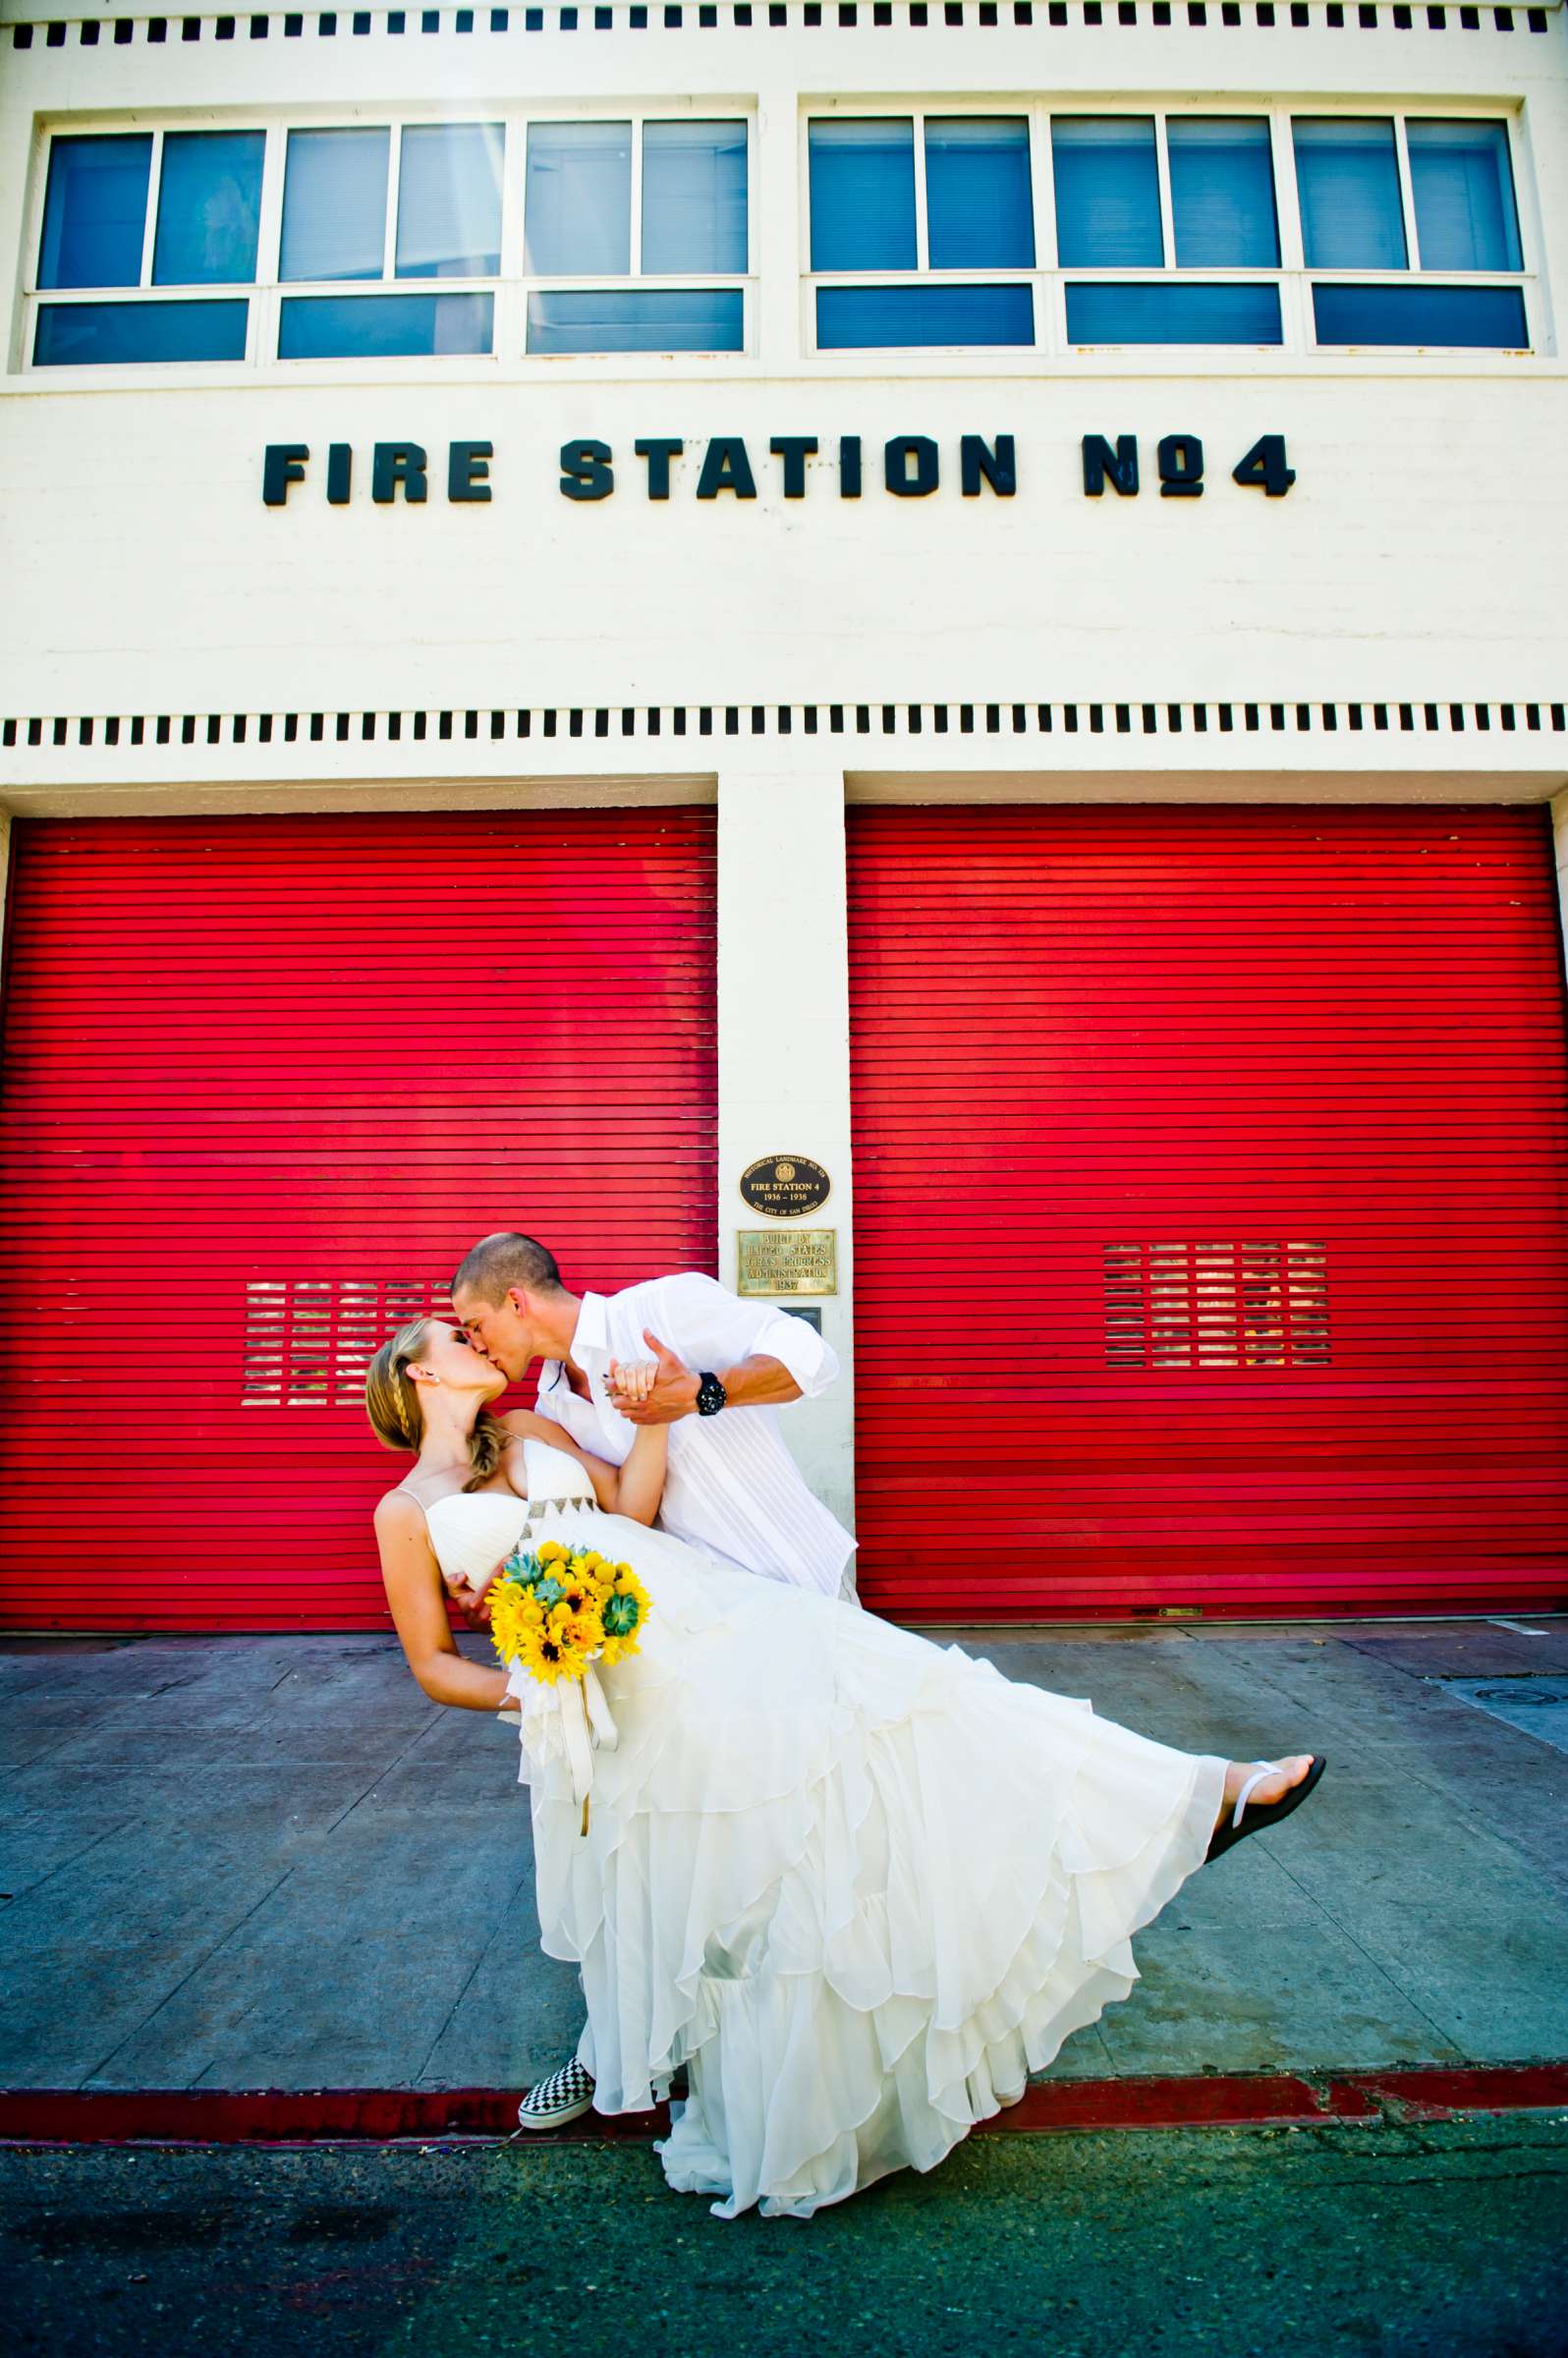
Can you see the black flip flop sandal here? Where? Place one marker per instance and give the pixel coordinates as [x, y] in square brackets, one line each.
[1262, 1813]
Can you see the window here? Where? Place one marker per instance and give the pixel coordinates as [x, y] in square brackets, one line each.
[1452, 212]
[1464, 195]
[1107, 192]
[689, 220]
[1110, 216]
[143, 211]
[1347, 177]
[962, 202]
[1159, 227]
[341, 221]
[1222, 192]
[398, 241]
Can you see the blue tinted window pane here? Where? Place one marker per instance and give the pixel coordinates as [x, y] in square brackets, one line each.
[857, 318]
[1464, 191]
[1173, 314]
[1107, 192]
[1222, 192]
[209, 205]
[863, 193]
[95, 211]
[339, 327]
[694, 196]
[334, 204]
[653, 320]
[449, 200]
[576, 216]
[1491, 317]
[1349, 184]
[90, 335]
[980, 207]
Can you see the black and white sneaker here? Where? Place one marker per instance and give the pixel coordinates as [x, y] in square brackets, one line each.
[565, 2095]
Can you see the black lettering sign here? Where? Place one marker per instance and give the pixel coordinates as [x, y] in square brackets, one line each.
[1180, 458]
[794, 450]
[467, 471]
[394, 464]
[999, 467]
[282, 463]
[726, 467]
[659, 454]
[586, 471]
[896, 458]
[1264, 467]
[1120, 465]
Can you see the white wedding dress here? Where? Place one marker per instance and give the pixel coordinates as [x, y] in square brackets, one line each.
[859, 1885]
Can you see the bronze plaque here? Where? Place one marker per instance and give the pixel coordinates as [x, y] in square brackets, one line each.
[775, 1260]
[785, 1186]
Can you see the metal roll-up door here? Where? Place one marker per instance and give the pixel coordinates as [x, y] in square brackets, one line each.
[264, 1080]
[1212, 1210]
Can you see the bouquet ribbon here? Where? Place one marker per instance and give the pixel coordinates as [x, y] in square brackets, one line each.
[586, 1722]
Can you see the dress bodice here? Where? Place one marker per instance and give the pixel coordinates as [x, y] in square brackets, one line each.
[475, 1530]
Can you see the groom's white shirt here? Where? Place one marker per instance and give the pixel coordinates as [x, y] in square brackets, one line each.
[732, 1488]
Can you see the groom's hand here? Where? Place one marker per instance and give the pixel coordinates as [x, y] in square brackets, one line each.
[672, 1394]
[472, 1603]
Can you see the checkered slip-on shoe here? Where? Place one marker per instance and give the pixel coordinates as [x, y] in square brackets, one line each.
[565, 2095]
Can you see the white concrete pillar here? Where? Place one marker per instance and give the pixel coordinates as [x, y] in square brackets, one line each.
[783, 1046]
[1559, 840]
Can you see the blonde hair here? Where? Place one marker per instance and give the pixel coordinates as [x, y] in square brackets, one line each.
[392, 1404]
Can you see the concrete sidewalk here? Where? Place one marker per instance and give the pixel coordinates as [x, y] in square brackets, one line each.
[241, 1863]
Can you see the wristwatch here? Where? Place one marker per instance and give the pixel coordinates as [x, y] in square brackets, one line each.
[710, 1394]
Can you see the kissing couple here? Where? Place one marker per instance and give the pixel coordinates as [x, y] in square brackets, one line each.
[856, 1884]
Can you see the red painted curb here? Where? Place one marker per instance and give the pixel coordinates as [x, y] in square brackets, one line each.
[382, 2116]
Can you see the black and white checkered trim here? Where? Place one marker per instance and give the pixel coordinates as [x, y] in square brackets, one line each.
[565, 2095]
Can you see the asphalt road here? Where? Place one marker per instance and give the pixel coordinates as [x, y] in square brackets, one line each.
[1197, 2244]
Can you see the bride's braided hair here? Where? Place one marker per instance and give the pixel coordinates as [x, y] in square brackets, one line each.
[392, 1404]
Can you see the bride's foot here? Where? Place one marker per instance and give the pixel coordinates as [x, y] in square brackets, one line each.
[1261, 1794]
[1290, 1773]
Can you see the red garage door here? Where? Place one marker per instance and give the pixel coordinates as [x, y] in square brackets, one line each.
[1211, 1241]
[264, 1080]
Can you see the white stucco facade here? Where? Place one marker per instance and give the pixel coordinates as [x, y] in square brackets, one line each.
[1390, 630]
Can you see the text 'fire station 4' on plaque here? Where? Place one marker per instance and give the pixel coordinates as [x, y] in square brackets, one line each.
[785, 1186]
[775, 1260]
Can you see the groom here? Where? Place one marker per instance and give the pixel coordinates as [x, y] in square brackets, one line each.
[724, 1365]
[732, 1487]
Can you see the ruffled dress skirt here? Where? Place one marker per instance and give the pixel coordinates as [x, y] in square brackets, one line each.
[859, 1886]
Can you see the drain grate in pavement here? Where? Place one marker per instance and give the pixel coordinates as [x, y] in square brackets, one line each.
[1538, 1706]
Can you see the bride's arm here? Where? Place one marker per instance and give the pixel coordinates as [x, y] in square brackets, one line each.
[417, 1599]
[633, 1489]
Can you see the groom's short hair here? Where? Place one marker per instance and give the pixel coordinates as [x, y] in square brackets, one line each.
[499, 1262]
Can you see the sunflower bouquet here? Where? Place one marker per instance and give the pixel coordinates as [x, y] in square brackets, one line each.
[557, 1609]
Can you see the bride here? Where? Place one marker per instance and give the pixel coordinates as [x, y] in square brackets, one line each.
[858, 1884]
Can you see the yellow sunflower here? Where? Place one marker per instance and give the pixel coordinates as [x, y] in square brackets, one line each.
[585, 1632]
[513, 1609]
[547, 1656]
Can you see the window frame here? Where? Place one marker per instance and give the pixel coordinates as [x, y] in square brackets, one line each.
[1294, 280]
[510, 290]
[142, 290]
[266, 293]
